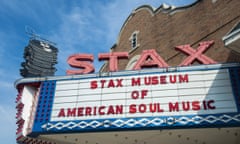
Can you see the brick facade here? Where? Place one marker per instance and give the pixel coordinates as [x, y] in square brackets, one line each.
[166, 27]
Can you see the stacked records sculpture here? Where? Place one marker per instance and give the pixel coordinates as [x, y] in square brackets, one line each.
[40, 58]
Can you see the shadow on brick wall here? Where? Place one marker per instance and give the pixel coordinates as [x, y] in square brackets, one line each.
[233, 57]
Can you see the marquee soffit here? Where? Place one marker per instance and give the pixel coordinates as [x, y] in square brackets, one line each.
[164, 8]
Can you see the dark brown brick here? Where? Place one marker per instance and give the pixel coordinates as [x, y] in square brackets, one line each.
[163, 31]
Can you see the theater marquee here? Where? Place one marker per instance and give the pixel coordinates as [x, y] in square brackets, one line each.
[196, 96]
[143, 96]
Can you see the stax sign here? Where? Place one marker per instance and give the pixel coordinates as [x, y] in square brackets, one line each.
[148, 58]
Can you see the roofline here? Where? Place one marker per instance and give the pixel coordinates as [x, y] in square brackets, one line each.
[164, 8]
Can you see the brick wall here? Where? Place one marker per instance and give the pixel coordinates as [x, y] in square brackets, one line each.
[164, 29]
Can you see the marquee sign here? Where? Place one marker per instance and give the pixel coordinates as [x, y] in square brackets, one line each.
[142, 96]
[197, 96]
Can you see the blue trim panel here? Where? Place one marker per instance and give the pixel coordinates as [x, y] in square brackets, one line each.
[163, 122]
[45, 102]
[235, 81]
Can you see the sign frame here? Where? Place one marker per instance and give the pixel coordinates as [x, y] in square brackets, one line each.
[42, 123]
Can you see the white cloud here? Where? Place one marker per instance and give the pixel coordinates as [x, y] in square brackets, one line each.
[80, 26]
[78, 30]
[89, 28]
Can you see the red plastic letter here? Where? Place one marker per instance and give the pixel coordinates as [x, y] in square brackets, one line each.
[150, 58]
[196, 54]
[94, 84]
[113, 59]
[82, 61]
[61, 113]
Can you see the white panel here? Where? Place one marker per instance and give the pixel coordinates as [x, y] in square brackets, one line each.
[65, 82]
[82, 98]
[86, 92]
[192, 91]
[65, 99]
[140, 101]
[138, 114]
[84, 85]
[88, 104]
[166, 93]
[64, 105]
[165, 100]
[66, 87]
[113, 96]
[220, 97]
[222, 82]
[110, 102]
[114, 90]
[136, 95]
[67, 93]
[137, 88]
[195, 77]
[191, 97]
[202, 86]
[195, 84]
[218, 90]
[224, 104]
[164, 87]
[27, 99]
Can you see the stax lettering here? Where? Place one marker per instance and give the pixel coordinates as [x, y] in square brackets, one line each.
[148, 58]
[112, 83]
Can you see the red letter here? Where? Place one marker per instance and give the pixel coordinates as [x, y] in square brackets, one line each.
[61, 113]
[172, 78]
[196, 54]
[183, 78]
[135, 94]
[136, 81]
[142, 108]
[94, 84]
[154, 80]
[119, 83]
[101, 110]
[173, 107]
[186, 106]
[149, 58]
[102, 82]
[196, 105]
[209, 104]
[163, 79]
[88, 111]
[110, 110]
[80, 111]
[144, 93]
[111, 84]
[71, 112]
[132, 108]
[119, 109]
[204, 105]
[82, 61]
[113, 59]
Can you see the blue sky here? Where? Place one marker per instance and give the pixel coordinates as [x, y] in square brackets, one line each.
[77, 26]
